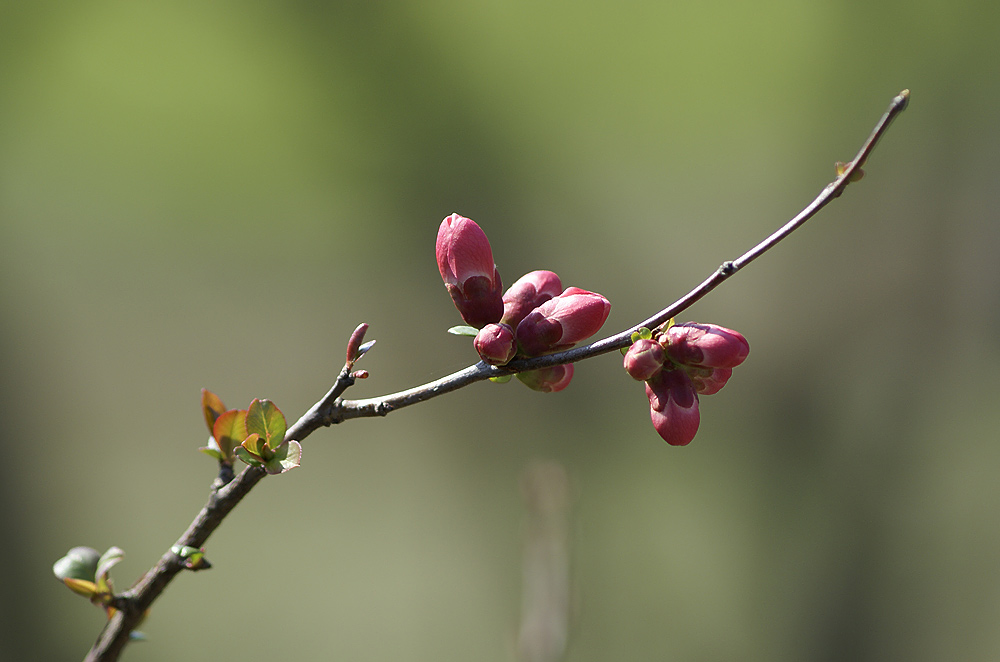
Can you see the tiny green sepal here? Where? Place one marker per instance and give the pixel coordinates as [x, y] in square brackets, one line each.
[856, 174]
[463, 330]
[643, 333]
[502, 379]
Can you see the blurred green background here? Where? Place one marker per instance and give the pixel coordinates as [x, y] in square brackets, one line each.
[215, 194]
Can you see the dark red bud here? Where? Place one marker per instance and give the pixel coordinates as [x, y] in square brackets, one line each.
[708, 345]
[644, 359]
[548, 380]
[673, 406]
[527, 293]
[465, 260]
[495, 344]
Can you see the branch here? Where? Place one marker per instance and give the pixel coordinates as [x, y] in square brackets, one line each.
[341, 410]
[331, 408]
[132, 604]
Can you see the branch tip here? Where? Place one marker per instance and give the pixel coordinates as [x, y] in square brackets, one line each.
[354, 345]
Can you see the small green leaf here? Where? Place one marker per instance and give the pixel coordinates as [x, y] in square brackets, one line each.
[81, 587]
[105, 588]
[256, 447]
[267, 421]
[642, 333]
[212, 448]
[287, 457]
[108, 560]
[502, 379]
[248, 457]
[230, 430]
[194, 558]
[211, 406]
[79, 563]
[463, 330]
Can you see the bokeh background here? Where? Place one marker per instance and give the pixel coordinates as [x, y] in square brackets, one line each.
[215, 194]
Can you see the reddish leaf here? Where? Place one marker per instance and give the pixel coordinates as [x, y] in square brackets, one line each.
[255, 446]
[230, 430]
[212, 407]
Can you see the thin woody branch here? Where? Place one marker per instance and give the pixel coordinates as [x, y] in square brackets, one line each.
[331, 408]
[342, 410]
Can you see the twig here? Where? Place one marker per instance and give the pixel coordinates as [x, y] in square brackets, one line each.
[342, 410]
[332, 409]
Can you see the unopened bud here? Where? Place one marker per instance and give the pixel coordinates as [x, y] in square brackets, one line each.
[673, 406]
[644, 359]
[708, 381]
[495, 344]
[465, 260]
[527, 293]
[708, 345]
[561, 322]
[548, 380]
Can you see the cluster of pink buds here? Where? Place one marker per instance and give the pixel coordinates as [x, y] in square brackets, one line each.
[534, 316]
[678, 364]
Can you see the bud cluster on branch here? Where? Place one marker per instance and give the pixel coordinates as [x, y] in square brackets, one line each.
[535, 316]
[678, 364]
[529, 330]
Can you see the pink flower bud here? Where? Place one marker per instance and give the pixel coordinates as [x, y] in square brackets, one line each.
[561, 322]
[644, 359]
[548, 380]
[495, 344]
[673, 406]
[465, 260]
[708, 381]
[706, 345]
[527, 293]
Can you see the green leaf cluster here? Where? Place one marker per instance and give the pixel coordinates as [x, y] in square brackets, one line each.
[87, 572]
[255, 435]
